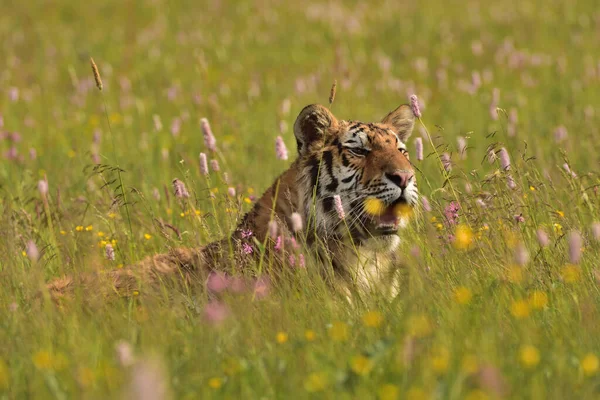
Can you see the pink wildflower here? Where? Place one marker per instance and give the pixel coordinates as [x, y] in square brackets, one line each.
[261, 287]
[462, 147]
[414, 104]
[560, 133]
[209, 138]
[575, 244]
[542, 237]
[519, 218]
[339, 207]
[280, 149]
[43, 187]
[214, 164]
[247, 249]
[109, 252]
[273, 228]
[521, 255]
[217, 282]
[180, 189]
[124, 353]
[296, 220]
[425, 203]
[231, 191]
[216, 312]
[596, 230]
[203, 164]
[32, 251]
[451, 213]
[504, 159]
[419, 148]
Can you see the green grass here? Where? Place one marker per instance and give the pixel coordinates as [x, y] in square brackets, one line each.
[236, 65]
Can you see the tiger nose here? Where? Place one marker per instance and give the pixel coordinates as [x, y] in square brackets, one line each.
[400, 178]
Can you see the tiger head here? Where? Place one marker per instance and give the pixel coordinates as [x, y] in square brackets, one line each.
[365, 164]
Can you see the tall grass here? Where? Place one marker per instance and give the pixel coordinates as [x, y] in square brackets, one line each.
[489, 307]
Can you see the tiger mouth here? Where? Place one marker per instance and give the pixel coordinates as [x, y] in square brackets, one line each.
[389, 220]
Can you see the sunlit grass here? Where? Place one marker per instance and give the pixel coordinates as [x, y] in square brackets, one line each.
[499, 285]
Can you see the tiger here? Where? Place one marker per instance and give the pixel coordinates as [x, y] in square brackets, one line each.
[319, 203]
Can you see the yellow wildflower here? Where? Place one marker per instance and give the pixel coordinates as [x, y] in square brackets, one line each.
[147, 236]
[515, 274]
[23, 253]
[538, 299]
[310, 335]
[372, 319]
[4, 375]
[477, 394]
[416, 393]
[470, 364]
[439, 226]
[388, 391]
[419, 326]
[79, 228]
[63, 232]
[89, 228]
[112, 215]
[532, 188]
[85, 376]
[42, 359]
[281, 337]
[529, 355]
[560, 213]
[339, 331]
[247, 200]
[463, 237]
[315, 382]
[182, 215]
[403, 210]
[215, 383]
[232, 367]
[361, 365]
[100, 234]
[440, 360]
[570, 273]
[463, 295]
[520, 309]
[557, 229]
[250, 190]
[433, 219]
[590, 364]
[374, 206]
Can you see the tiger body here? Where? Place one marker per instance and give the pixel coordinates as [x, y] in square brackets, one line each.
[353, 160]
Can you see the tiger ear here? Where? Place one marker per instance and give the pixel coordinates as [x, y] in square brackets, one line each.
[402, 120]
[313, 122]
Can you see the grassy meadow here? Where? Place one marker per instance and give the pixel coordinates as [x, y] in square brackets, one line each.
[501, 281]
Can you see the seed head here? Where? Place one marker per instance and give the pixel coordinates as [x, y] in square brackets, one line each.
[332, 92]
[96, 74]
[446, 162]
